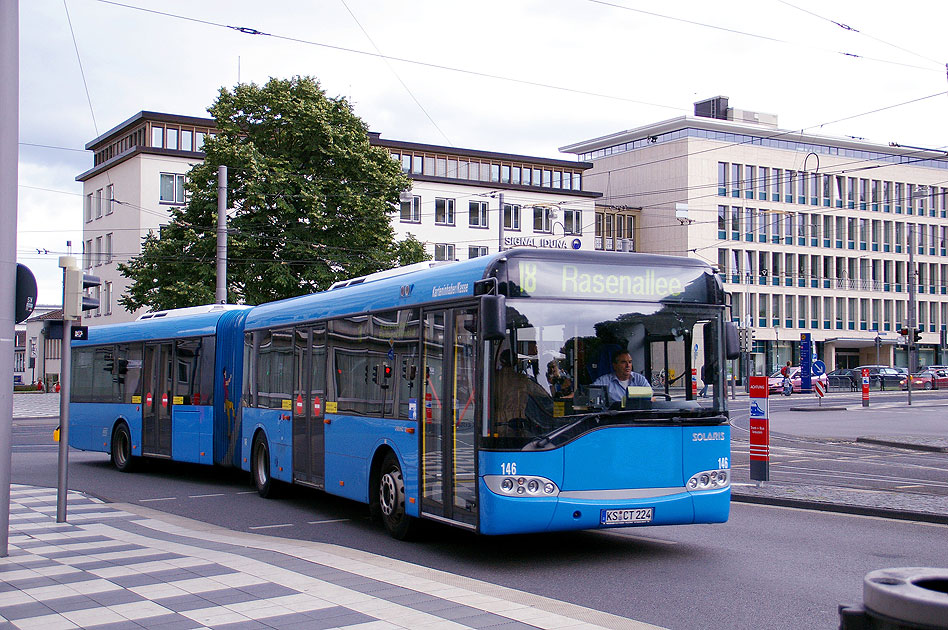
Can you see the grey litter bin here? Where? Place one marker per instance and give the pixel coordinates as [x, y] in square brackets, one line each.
[910, 598]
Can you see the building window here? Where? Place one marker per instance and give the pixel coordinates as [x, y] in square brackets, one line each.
[198, 140]
[444, 251]
[108, 247]
[172, 139]
[511, 216]
[158, 137]
[477, 214]
[87, 255]
[444, 213]
[98, 251]
[476, 250]
[53, 348]
[87, 208]
[542, 221]
[171, 189]
[109, 198]
[572, 222]
[411, 210]
[187, 140]
[98, 204]
[106, 305]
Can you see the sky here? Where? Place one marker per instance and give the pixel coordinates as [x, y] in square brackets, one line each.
[514, 76]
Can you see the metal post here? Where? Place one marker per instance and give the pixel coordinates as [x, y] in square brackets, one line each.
[220, 293]
[72, 305]
[65, 382]
[500, 222]
[912, 315]
[9, 138]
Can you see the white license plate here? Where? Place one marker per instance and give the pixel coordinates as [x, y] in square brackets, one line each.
[635, 516]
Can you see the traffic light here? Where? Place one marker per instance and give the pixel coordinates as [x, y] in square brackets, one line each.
[904, 331]
[917, 335]
[75, 299]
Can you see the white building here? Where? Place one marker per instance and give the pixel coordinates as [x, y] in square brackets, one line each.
[37, 347]
[810, 232]
[140, 168]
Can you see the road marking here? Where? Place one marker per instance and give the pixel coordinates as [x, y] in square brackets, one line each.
[912, 486]
[248, 492]
[330, 520]
[271, 526]
[203, 496]
[158, 499]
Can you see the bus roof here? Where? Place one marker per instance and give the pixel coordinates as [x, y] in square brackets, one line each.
[181, 325]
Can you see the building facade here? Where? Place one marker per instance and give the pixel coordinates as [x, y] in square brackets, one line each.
[811, 233]
[454, 205]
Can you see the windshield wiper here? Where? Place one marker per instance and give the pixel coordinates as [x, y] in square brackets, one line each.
[542, 441]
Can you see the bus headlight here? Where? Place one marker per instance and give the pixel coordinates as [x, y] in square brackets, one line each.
[521, 486]
[709, 480]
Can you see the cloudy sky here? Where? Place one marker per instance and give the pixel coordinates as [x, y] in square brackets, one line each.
[519, 76]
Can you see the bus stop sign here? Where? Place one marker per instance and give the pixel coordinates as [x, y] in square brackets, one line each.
[25, 300]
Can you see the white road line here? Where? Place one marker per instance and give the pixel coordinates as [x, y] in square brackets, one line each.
[331, 520]
[158, 499]
[271, 526]
[248, 492]
[202, 496]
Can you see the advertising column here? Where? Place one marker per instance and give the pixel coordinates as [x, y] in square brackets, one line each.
[759, 429]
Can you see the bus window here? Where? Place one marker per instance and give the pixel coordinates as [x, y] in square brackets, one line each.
[194, 370]
[275, 370]
[82, 375]
[128, 371]
[103, 362]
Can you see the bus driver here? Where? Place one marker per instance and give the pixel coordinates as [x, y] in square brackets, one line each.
[622, 377]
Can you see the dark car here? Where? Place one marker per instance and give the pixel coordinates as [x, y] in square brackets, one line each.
[880, 376]
[842, 378]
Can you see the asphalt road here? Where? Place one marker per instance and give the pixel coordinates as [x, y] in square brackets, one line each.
[766, 568]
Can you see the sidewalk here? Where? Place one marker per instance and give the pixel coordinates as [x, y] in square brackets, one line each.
[120, 567]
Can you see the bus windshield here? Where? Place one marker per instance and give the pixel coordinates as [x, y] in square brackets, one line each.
[569, 367]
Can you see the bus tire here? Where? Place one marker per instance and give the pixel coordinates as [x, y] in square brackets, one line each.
[260, 466]
[391, 500]
[122, 448]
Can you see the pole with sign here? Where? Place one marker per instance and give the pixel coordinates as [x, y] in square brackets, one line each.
[806, 363]
[865, 386]
[759, 429]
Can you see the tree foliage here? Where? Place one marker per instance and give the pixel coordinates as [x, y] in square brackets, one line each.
[310, 204]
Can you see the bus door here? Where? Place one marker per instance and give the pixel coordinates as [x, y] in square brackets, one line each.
[308, 400]
[448, 459]
[156, 411]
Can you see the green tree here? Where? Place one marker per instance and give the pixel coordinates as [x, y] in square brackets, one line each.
[310, 204]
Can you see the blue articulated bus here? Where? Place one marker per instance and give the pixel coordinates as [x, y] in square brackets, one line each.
[493, 394]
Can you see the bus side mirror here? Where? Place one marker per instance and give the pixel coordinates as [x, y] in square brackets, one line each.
[732, 346]
[494, 317]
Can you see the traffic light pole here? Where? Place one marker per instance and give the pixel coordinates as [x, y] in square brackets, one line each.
[70, 303]
[912, 313]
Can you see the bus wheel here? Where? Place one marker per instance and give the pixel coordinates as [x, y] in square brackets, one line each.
[260, 467]
[392, 500]
[122, 448]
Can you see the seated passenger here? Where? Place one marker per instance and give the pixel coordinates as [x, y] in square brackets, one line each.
[622, 377]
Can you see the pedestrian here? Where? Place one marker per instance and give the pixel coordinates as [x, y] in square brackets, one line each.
[705, 376]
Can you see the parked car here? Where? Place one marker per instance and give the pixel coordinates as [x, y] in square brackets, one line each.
[775, 381]
[928, 379]
[880, 376]
[842, 378]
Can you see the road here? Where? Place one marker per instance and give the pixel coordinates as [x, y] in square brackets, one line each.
[767, 567]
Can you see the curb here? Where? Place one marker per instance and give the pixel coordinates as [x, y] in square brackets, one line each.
[929, 448]
[803, 504]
